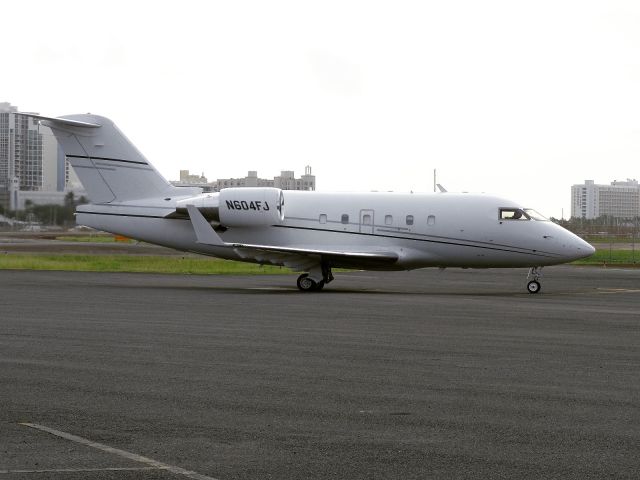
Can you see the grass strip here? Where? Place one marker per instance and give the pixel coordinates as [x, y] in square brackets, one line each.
[208, 265]
[606, 256]
[136, 263]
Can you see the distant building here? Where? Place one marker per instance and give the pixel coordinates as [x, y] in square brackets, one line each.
[187, 178]
[20, 155]
[285, 181]
[618, 200]
[251, 180]
[31, 162]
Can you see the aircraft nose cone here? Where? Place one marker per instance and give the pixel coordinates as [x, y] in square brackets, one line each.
[570, 246]
[591, 249]
[584, 249]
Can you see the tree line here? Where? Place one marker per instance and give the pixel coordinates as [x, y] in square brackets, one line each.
[51, 214]
[603, 224]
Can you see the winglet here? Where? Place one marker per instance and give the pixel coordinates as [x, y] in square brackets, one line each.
[60, 121]
[204, 233]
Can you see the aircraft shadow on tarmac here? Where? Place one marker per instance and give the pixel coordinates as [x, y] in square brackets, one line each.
[276, 290]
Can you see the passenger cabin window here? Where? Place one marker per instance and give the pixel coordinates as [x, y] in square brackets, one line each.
[431, 220]
[513, 214]
[345, 218]
[366, 219]
[409, 219]
[388, 219]
[323, 218]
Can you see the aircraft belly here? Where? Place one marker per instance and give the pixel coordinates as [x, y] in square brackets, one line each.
[413, 252]
[471, 256]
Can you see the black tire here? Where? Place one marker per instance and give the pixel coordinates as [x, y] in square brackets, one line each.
[306, 284]
[533, 286]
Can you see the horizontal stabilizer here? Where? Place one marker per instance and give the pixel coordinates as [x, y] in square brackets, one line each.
[60, 121]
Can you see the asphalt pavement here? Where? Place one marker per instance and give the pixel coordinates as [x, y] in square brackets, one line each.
[425, 374]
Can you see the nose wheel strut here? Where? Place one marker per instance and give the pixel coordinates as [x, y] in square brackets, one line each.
[535, 273]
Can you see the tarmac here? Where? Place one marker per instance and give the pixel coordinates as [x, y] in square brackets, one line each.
[426, 374]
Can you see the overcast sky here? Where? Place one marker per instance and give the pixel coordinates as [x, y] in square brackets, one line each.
[521, 99]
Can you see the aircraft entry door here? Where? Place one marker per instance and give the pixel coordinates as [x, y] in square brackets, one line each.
[366, 221]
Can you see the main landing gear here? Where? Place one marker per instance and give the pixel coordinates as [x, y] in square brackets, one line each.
[534, 285]
[315, 280]
[308, 284]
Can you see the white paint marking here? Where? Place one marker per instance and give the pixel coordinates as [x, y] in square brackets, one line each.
[76, 470]
[122, 453]
[618, 290]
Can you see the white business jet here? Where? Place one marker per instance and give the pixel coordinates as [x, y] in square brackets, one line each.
[309, 232]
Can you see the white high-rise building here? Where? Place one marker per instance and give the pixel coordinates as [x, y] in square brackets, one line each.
[32, 165]
[618, 200]
[20, 155]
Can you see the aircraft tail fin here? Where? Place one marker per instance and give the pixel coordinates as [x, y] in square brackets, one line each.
[109, 166]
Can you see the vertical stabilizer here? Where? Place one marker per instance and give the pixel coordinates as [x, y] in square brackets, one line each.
[109, 166]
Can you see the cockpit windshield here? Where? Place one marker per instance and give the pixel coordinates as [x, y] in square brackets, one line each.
[520, 214]
[535, 215]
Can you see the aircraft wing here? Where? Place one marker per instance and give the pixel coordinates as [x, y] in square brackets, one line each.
[299, 258]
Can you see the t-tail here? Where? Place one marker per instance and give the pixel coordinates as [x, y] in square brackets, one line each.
[109, 166]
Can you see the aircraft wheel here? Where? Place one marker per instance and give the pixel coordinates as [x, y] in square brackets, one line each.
[306, 284]
[533, 286]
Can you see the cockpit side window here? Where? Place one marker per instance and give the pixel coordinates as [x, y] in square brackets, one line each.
[513, 214]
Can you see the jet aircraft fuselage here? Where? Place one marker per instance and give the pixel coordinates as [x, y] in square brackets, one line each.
[311, 232]
[425, 230]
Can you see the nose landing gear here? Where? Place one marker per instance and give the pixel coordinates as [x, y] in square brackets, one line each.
[534, 285]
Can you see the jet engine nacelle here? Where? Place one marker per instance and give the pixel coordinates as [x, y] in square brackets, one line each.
[249, 207]
[238, 207]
